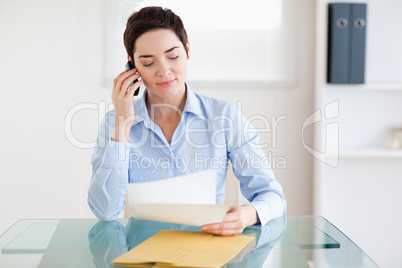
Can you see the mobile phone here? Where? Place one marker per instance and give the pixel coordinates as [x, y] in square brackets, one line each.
[129, 66]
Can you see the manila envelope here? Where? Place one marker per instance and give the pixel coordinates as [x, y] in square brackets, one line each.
[176, 248]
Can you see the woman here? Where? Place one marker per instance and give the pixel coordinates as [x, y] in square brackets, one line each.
[172, 131]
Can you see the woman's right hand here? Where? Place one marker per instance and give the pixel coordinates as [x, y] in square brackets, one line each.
[122, 96]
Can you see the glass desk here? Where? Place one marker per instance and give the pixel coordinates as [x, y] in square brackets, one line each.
[297, 242]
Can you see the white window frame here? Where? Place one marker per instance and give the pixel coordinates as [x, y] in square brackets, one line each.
[244, 56]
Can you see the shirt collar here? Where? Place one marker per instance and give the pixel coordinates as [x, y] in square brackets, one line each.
[140, 109]
[192, 105]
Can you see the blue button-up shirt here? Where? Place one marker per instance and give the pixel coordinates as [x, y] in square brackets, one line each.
[210, 133]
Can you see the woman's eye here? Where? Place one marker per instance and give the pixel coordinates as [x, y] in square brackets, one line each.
[147, 64]
[174, 57]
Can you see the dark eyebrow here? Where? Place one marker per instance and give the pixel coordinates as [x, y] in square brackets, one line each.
[173, 48]
[167, 51]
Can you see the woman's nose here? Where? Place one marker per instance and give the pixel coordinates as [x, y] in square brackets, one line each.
[163, 69]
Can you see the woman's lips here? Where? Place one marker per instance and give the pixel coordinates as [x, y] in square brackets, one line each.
[166, 83]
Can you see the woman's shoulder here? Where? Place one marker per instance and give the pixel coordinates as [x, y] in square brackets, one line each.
[212, 100]
[215, 105]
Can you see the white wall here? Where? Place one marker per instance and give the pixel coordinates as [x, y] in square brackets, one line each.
[52, 59]
[362, 194]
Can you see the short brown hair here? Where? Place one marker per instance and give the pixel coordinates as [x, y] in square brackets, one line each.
[150, 18]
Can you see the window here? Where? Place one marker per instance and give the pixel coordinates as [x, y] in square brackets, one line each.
[233, 43]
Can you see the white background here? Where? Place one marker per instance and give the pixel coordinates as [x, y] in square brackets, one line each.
[362, 195]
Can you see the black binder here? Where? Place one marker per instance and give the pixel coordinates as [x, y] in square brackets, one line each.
[346, 43]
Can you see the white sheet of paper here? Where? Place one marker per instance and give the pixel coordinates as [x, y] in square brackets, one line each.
[188, 199]
[196, 188]
[196, 215]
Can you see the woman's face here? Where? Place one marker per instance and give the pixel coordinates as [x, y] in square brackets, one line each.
[161, 60]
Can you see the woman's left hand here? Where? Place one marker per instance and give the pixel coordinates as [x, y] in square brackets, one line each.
[236, 219]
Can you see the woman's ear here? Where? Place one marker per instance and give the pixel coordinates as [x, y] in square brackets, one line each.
[188, 50]
[129, 59]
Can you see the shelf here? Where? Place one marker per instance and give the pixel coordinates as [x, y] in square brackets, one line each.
[367, 153]
[379, 87]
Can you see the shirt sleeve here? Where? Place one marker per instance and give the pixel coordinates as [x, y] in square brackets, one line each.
[252, 169]
[110, 162]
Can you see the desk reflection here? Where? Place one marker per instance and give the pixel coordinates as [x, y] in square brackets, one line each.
[108, 240]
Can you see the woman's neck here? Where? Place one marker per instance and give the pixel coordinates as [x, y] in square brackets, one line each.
[166, 108]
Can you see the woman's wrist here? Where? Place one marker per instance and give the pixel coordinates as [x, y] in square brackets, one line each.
[252, 216]
[120, 134]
